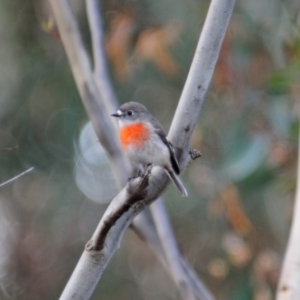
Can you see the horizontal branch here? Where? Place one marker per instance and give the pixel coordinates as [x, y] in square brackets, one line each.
[9, 149]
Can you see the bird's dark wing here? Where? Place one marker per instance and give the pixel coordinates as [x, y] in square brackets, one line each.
[161, 133]
[174, 161]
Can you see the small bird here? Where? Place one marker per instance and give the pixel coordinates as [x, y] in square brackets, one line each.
[144, 141]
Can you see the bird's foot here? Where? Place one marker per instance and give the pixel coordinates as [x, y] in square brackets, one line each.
[132, 178]
[141, 173]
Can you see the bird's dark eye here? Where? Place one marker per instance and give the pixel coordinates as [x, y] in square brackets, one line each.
[130, 113]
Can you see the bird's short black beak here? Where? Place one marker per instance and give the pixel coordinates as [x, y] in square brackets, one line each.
[116, 115]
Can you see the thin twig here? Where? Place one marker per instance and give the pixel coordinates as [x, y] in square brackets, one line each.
[16, 177]
[9, 149]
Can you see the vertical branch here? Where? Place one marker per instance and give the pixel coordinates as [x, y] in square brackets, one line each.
[83, 75]
[100, 69]
[200, 75]
[289, 287]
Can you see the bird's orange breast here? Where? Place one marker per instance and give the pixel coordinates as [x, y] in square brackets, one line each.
[134, 135]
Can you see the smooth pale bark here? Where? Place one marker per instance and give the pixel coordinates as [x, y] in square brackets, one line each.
[289, 284]
[200, 74]
[189, 285]
[84, 78]
[109, 233]
[176, 265]
[101, 75]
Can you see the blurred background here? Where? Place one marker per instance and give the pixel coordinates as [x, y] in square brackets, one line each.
[232, 228]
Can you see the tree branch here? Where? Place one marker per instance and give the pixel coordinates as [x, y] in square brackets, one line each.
[100, 71]
[200, 75]
[180, 270]
[102, 80]
[289, 287]
[134, 195]
[93, 263]
[199, 289]
[16, 177]
[100, 77]
[82, 72]
[9, 149]
[146, 232]
[131, 200]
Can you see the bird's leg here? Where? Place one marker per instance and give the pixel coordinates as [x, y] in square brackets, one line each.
[133, 177]
[139, 173]
[147, 169]
[148, 166]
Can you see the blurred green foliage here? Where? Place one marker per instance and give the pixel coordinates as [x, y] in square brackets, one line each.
[233, 227]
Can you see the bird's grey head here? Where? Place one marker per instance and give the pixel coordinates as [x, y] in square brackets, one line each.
[131, 112]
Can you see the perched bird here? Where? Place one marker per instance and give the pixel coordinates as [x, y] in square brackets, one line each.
[144, 141]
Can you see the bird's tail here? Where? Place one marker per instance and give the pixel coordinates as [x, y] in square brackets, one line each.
[176, 180]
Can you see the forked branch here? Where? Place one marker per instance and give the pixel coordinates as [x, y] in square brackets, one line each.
[120, 212]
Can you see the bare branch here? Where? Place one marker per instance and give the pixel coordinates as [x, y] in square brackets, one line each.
[148, 233]
[16, 177]
[81, 68]
[200, 75]
[100, 71]
[143, 228]
[199, 289]
[95, 23]
[76, 43]
[104, 87]
[179, 269]
[289, 288]
[9, 149]
[138, 193]
[143, 225]
[134, 195]
[93, 263]
[124, 207]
